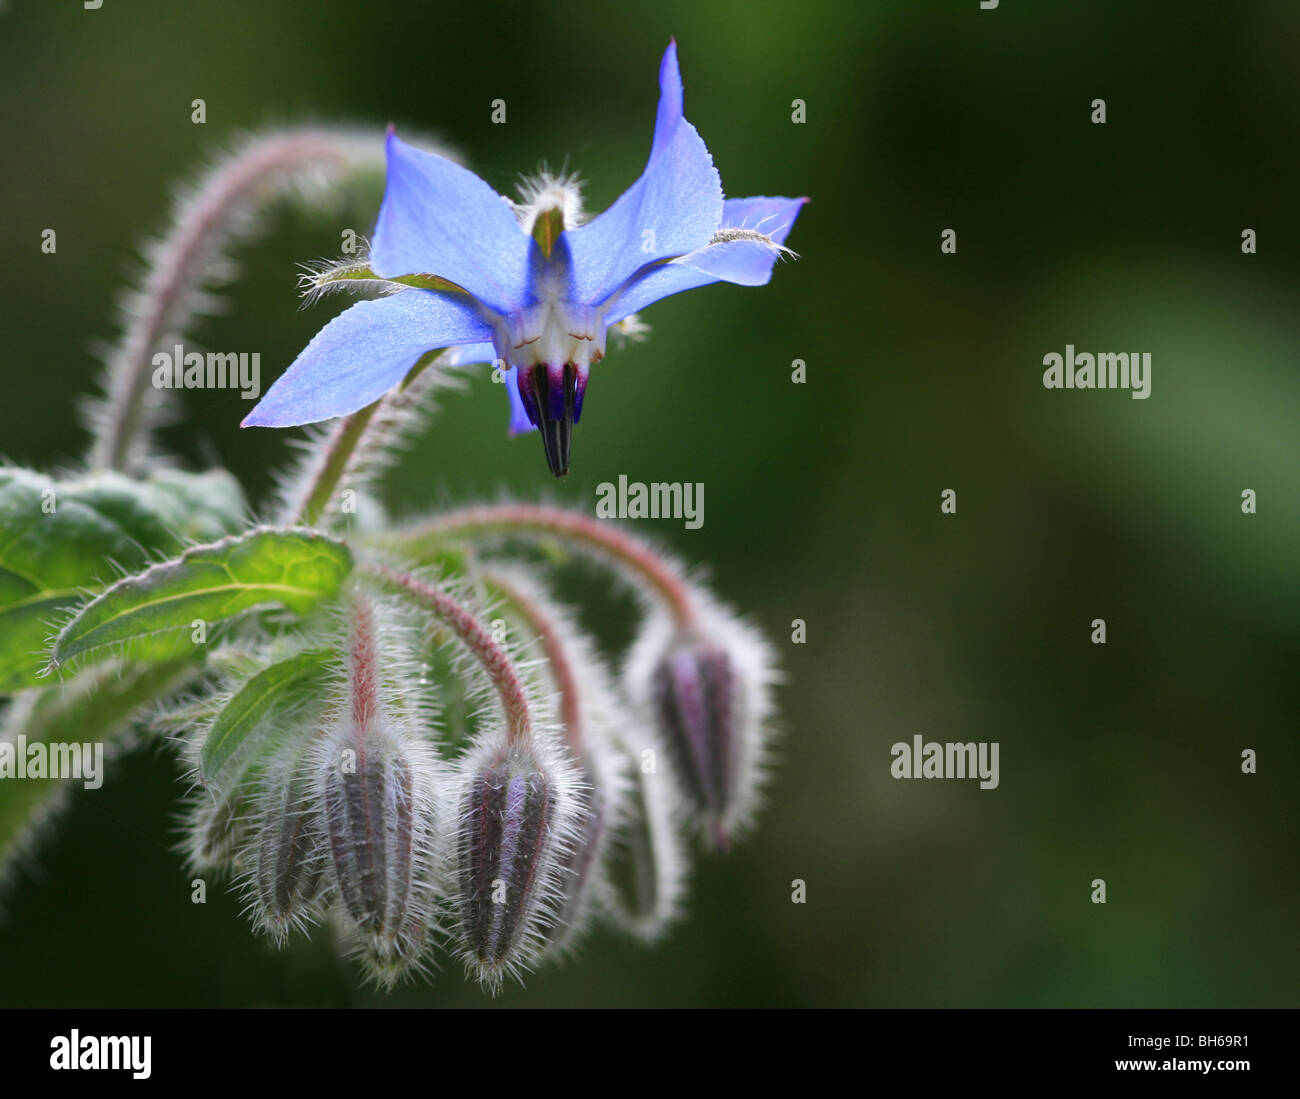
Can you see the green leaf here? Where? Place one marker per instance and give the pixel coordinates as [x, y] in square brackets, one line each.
[270, 695]
[60, 540]
[152, 616]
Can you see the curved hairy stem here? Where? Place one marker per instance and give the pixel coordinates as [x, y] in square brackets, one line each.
[626, 554]
[334, 458]
[557, 655]
[496, 662]
[188, 258]
[359, 448]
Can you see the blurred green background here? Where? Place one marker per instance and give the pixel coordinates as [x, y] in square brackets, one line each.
[822, 500]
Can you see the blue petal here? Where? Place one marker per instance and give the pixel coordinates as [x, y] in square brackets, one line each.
[441, 219]
[669, 111]
[519, 421]
[362, 353]
[466, 353]
[772, 216]
[747, 263]
[671, 210]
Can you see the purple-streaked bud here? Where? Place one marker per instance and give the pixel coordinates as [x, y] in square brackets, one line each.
[374, 795]
[517, 820]
[375, 828]
[707, 688]
[694, 692]
[585, 708]
[288, 860]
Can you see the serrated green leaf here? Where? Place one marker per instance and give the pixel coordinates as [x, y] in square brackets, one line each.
[62, 539]
[272, 693]
[151, 616]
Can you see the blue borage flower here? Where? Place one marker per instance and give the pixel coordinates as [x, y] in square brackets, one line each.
[529, 287]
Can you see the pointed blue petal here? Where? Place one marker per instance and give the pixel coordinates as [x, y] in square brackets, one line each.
[669, 111]
[747, 263]
[362, 353]
[671, 210]
[441, 219]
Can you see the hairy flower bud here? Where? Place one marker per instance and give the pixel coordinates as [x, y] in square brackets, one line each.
[707, 690]
[377, 822]
[520, 808]
[585, 709]
[217, 831]
[288, 859]
[374, 792]
[694, 689]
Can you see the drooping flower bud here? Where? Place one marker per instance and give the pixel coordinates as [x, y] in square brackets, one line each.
[377, 815]
[519, 810]
[288, 857]
[585, 709]
[694, 699]
[375, 784]
[217, 830]
[707, 690]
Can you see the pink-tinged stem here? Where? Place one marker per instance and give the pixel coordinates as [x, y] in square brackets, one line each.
[475, 637]
[182, 259]
[557, 656]
[363, 670]
[622, 550]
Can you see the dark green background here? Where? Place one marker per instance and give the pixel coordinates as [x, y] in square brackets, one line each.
[822, 500]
